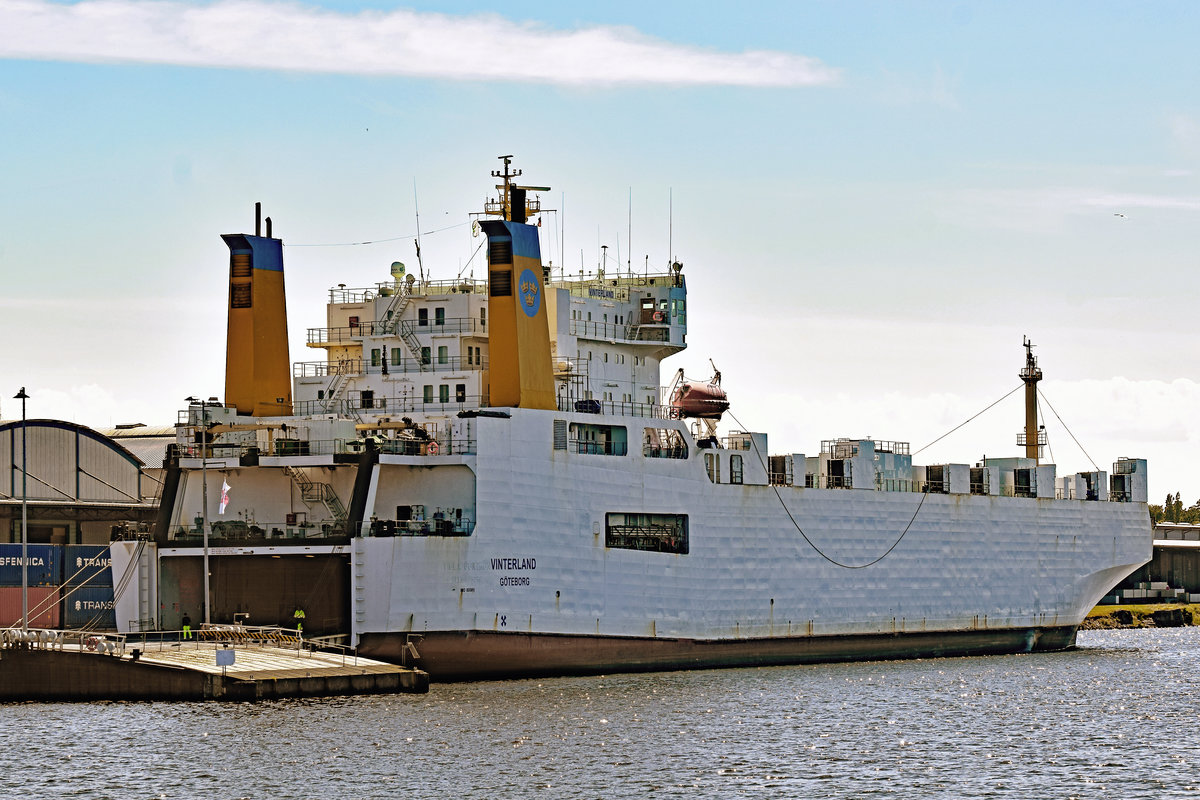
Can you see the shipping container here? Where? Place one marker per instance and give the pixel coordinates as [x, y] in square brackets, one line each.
[43, 606]
[89, 564]
[45, 565]
[89, 607]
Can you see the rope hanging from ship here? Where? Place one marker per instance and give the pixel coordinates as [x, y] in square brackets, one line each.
[804, 535]
[907, 527]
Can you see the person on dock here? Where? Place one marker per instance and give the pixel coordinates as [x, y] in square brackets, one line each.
[187, 626]
[299, 617]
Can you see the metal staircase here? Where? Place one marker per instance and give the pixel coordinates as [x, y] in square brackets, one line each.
[393, 324]
[334, 392]
[409, 336]
[391, 317]
[312, 493]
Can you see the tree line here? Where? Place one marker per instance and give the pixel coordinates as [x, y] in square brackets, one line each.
[1173, 511]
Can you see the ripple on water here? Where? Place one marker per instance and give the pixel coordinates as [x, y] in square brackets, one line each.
[1113, 718]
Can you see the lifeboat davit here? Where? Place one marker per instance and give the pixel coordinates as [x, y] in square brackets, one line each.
[699, 400]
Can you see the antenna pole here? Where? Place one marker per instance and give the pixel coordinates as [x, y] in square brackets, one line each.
[671, 223]
[629, 238]
[417, 211]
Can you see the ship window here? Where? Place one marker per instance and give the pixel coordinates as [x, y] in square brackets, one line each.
[422, 316]
[375, 357]
[439, 316]
[735, 469]
[428, 394]
[460, 393]
[320, 394]
[397, 355]
[240, 295]
[664, 443]
[353, 323]
[655, 533]
[443, 353]
[444, 393]
[483, 317]
[712, 465]
[425, 355]
[604, 440]
[368, 398]
[470, 356]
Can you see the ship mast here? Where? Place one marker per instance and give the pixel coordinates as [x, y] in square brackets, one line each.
[506, 200]
[1033, 438]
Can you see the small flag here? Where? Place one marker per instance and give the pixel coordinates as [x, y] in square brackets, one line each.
[224, 496]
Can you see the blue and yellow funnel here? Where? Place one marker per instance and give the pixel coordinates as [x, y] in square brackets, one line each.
[257, 366]
[520, 374]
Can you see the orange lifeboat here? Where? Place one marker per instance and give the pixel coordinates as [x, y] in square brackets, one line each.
[699, 400]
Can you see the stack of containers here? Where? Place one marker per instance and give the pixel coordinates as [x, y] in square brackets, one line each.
[44, 579]
[88, 593]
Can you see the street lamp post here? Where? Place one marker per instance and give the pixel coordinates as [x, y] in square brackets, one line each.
[24, 518]
[204, 406]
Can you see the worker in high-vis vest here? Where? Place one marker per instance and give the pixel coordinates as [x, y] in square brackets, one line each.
[187, 626]
[299, 617]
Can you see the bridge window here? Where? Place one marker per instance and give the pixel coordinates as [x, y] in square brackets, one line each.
[735, 469]
[605, 440]
[656, 533]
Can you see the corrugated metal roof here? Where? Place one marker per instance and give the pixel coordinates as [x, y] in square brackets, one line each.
[150, 449]
[141, 430]
[147, 442]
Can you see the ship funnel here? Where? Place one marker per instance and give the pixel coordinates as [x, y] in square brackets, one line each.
[257, 363]
[520, 372]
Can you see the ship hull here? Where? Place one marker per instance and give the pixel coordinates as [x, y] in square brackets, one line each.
[484, 655]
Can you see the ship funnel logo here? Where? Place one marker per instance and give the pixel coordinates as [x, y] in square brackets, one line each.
[530, 292]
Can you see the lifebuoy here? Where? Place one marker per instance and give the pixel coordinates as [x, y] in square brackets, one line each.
[658, 316]
[432, 449]
[91, 642]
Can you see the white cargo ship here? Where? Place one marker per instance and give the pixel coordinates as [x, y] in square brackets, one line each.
[489, 474]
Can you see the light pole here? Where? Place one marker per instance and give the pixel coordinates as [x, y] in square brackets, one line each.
[204, 406]
[24, 519]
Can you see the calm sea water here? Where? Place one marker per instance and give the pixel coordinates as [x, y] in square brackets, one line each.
[1119, 717]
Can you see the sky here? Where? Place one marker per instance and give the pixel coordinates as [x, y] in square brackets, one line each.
[874, 202]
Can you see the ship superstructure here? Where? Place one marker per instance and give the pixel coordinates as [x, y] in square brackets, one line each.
[490, 472]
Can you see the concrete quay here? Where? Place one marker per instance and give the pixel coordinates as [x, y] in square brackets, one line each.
[53, 666]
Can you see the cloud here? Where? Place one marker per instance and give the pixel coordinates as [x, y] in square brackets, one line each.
[250, 34]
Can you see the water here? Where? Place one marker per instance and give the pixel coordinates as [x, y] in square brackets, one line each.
[1115, 718]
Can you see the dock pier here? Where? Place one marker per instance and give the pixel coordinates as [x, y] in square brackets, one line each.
[231, 663]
